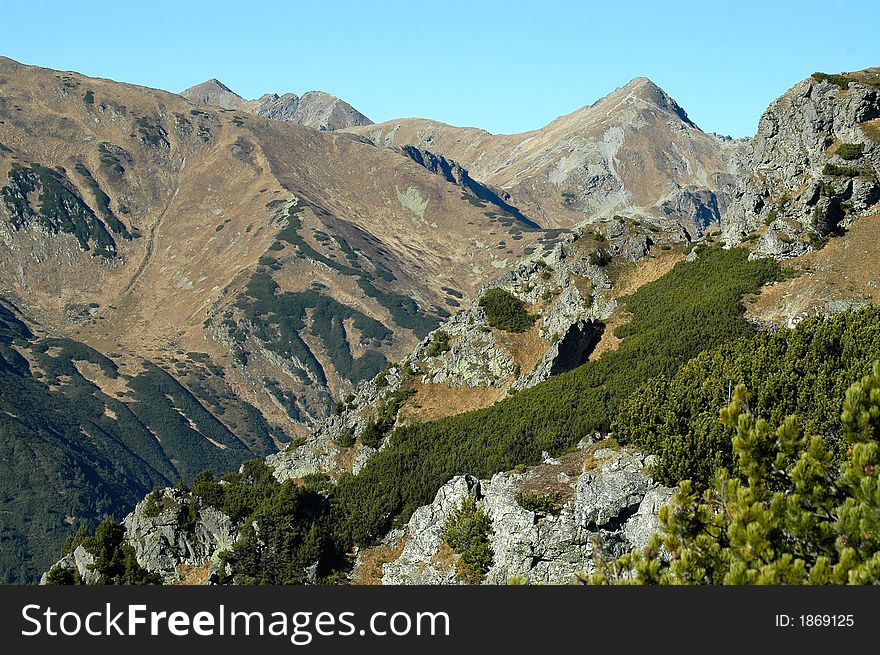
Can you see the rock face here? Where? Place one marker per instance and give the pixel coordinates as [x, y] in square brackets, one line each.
[322, 451]
[169, 535]
[605, 511]
[634, 152]
[316, 109]
[813, 166]
[80, 561]
[162, 543]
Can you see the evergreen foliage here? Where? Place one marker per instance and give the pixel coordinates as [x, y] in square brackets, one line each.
[692, 308]
[467, 532]
[835, 170]
[804, 371]
[546, 503]
[404, 310]
[850, 151]
[283, 529]
[439, 344]
[505, 311]
[792, 514]
[115, 560]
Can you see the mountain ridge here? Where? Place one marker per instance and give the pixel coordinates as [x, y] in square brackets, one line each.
[316, 109]
[608, 157]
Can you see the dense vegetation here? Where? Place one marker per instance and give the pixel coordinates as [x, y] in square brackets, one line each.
[805, 371]
[290, 536]
[115, 561]
[850, 151]
[505, 311]
[792, 513]
[102, 202]
[694, 307]
[684, 350]
[836, 170]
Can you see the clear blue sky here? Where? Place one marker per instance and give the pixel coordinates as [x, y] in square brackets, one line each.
[504, 66]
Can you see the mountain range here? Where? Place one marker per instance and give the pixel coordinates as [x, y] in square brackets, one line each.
[191, 281]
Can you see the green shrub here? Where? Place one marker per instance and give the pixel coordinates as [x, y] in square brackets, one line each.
[547, 503]
[505, 311]
[850, 151]
[835, 170]
[439, 344]
[794, 512]
[115, 561]
[151, 505]
[842, 81]
[467, 532]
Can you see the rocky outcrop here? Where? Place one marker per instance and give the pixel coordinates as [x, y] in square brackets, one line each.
[813, 167]
[607, 505]
[171, 532]
[315, 109]
[182, 532]
[332, 447]
[79, 561]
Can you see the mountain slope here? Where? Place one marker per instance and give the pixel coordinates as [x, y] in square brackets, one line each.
[316, 109]
[634, 152]
[261, 267]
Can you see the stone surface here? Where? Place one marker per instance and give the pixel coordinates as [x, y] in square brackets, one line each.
[788, 200]
[169, 542]
[163, 542]
[609, 510]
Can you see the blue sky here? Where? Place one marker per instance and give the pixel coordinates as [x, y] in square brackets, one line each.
[504, 66]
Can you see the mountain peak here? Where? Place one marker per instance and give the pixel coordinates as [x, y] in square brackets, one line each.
[316, 109]
[648, 91]
[213, 92]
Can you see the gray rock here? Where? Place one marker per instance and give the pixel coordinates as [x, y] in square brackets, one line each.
[81, 561]
[788, 187]
[417, 563]
[162, 543]
[610, 510]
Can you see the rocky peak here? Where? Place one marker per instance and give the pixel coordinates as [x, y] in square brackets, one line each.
[644, 90]
[214, 93]
[315, 109]
[814, 165]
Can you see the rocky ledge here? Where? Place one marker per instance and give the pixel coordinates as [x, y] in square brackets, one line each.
[599, 503]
